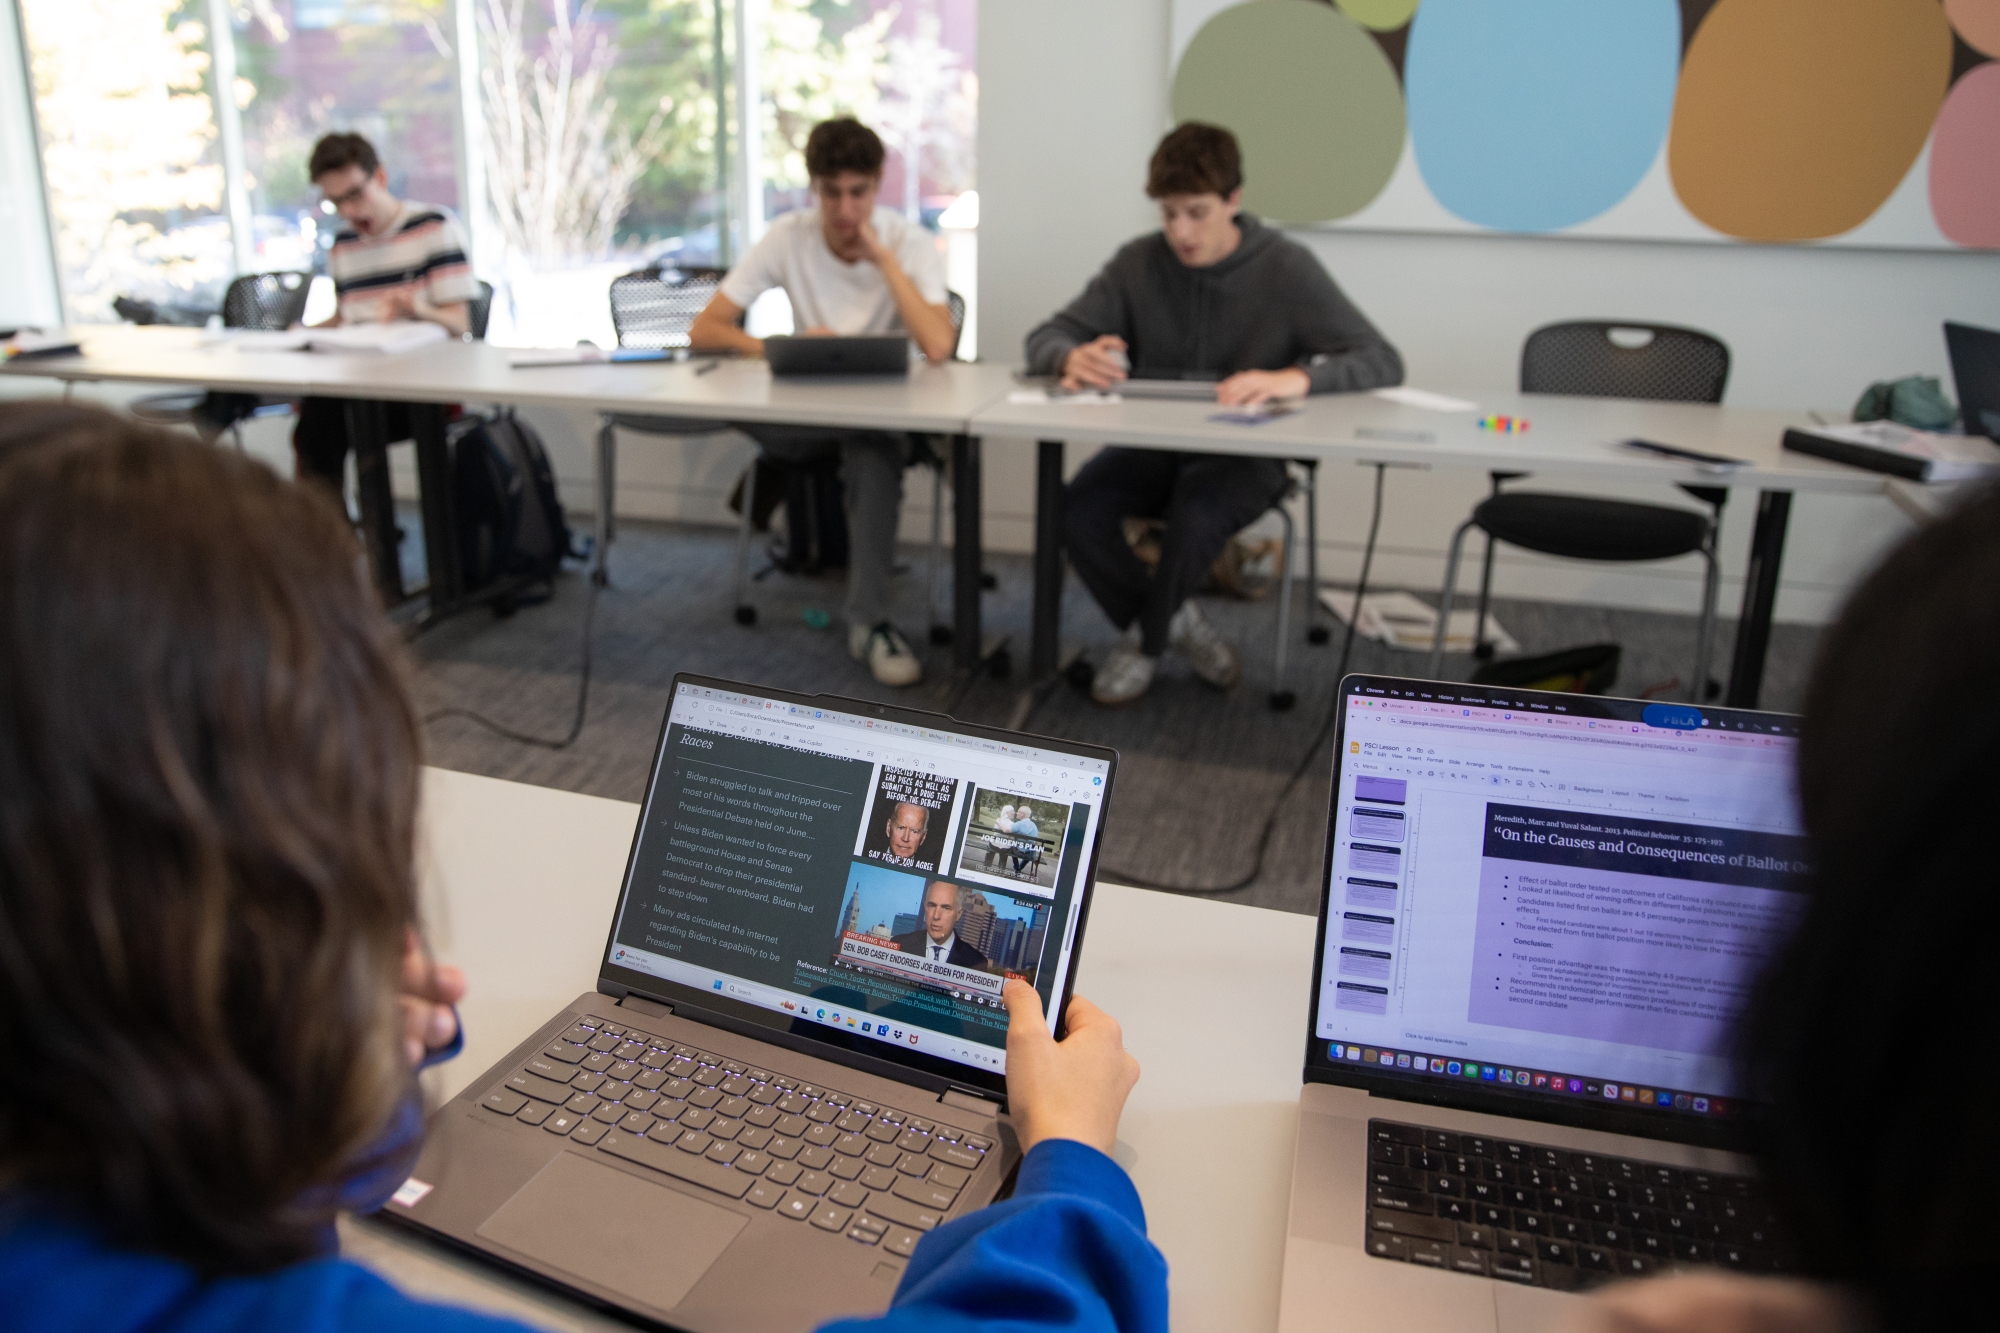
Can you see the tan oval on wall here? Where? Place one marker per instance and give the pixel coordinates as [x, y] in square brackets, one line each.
[1796, 119]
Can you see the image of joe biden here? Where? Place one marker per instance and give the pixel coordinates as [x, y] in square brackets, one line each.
[938, 939]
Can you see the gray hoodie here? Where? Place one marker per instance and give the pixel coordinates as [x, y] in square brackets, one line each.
[1267, 306]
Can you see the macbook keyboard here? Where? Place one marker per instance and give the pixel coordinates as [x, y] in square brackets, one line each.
[1552, 1217]
[872, 1173]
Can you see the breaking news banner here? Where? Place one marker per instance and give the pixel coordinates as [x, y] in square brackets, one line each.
[1013, 841]
[909, 820]
[880, 956]
[939, 932]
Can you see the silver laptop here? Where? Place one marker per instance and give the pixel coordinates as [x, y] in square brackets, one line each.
[794, 1062]
[1542, 915]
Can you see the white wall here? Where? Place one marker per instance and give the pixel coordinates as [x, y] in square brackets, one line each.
[1073, 99]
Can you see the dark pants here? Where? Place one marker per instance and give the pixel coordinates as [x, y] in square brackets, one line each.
[1204, 498]
[871, 476]
[321, 436]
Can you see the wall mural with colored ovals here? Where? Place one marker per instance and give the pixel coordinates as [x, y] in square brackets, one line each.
[1837, 122]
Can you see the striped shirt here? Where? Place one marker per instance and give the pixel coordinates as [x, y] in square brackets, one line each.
[421, 254]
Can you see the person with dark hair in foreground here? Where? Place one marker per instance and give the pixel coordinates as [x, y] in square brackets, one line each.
[1214, 294]
[1869, 1038]
[848, 266]
[391, 260]
[213, 995]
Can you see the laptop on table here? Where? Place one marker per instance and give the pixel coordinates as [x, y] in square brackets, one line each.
[1541, 917]
[793, 1064]
[1975, 369]
[859, 354]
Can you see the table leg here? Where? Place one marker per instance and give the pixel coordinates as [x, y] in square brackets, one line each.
[966, 551]
[1045, 643]
[1760, 599]
[428, 425]
[366, 432]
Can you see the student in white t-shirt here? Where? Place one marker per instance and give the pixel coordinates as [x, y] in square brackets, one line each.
[848, 267]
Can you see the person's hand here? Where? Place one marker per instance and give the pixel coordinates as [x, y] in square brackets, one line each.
[1248, 387]
[872, 248]
[1097, 364]
[427, 994]
[1069, 1089]
[400, 305]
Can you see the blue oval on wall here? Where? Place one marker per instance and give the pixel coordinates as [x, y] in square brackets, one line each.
[1534, 115]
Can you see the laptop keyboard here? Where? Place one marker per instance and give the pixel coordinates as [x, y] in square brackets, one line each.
[872, 1173]
[1551, 1217]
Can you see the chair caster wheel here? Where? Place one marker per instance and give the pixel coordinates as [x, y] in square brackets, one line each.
[1483, 652]
[988, 581]
[601, 577]
[1319, 635]
[1282, 701]
[1000, 665]
[1081, 674]
[940, 635]
[746, 615]
[504, 607]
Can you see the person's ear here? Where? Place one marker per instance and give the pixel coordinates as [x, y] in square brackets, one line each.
[381, 176]
[1233, 201]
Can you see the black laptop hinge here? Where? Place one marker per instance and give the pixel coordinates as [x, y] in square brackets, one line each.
[970, 1101]
[640, 1004]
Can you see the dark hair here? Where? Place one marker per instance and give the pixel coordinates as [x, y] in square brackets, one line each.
[1195, 159]
[842, 144]
[1870, 1038]
[336, 151]
[208, 784]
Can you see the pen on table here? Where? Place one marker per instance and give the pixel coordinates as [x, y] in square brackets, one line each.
[707, 366]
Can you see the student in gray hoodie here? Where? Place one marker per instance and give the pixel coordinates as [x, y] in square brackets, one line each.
[1213, 295]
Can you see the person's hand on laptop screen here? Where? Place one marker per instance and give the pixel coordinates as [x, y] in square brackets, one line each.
[1247, 388]
[426, 995]
[1069, 1089]
[1097, 364]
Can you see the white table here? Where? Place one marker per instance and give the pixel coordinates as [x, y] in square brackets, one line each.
[933, 399]
[1569, 437]
[520, 883]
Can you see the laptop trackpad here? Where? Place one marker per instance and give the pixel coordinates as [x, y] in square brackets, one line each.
[641, 1240]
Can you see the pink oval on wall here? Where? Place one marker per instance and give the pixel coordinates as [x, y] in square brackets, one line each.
[1965, 160]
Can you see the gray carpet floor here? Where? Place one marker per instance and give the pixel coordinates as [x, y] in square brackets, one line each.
[1200, 770]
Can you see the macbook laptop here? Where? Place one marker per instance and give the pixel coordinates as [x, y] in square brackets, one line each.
[887, 354]
[1542, 915]
[1975, 367]
[793, 1064]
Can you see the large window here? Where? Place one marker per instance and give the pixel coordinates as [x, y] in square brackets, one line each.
[578, 138]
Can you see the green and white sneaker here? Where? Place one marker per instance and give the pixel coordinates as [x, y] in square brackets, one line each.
[1213, 656]
[1125, 676]
[886, 652]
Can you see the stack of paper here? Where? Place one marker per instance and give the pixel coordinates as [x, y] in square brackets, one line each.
[1402, 621]
[384, 339]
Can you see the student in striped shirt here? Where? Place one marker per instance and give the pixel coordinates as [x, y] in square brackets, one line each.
[391, 260]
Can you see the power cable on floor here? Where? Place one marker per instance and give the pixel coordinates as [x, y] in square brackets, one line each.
[582, 696]
[1305, 760]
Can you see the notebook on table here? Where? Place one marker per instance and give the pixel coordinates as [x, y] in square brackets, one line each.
[1540, 920]
[793, 1064]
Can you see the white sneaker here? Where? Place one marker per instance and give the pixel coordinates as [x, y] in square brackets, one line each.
[1213, 656]
[1125, 676]
[886, 652]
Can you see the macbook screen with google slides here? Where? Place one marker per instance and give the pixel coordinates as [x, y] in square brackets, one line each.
[1553, 895]
[857, 874]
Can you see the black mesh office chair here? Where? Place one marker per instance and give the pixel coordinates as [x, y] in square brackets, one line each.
[651, 308]
[1604, 359]
[479, 310]
[928, 450]
[265, 301]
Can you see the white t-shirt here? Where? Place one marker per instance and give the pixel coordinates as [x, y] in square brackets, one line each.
[827, 292]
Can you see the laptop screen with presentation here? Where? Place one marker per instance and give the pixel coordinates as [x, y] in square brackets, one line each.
[828, 873]
[1551, 906]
